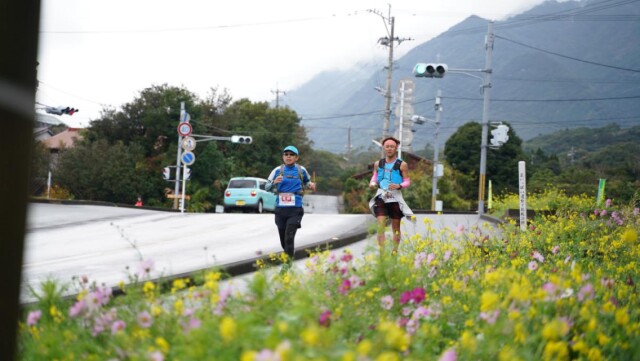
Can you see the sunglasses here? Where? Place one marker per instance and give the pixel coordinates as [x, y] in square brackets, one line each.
[289, 154]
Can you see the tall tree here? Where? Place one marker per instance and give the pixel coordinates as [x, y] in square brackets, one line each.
[462, 151]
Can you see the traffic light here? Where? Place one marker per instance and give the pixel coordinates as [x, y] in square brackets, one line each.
[187, 173]
[70, 111]
[430, 70]
[499, 135]
[166, 173]
[242, 139]
[61, 110]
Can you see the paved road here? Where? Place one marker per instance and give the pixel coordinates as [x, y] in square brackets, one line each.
[107, 244]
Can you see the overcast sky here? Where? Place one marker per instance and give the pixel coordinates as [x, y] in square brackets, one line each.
[104, 52]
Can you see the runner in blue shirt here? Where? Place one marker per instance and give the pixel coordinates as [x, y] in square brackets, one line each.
[288, 182]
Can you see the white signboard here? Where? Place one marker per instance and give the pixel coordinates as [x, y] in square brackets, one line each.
[522, 186]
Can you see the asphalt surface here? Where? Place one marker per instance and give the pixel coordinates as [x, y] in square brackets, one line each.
[111, 244]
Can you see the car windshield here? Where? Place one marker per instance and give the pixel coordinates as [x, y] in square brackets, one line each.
[242, 183]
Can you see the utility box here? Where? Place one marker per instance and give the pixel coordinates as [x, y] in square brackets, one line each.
[438, 206]
[439, 170]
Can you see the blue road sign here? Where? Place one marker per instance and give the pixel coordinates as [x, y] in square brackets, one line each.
[188, 158]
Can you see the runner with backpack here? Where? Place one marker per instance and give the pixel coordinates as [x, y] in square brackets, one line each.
[390, 176]
[288, 182]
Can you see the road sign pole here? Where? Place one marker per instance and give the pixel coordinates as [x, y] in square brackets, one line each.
[184, 185]
[177, 186]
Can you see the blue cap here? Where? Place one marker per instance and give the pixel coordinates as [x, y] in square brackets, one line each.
[291, 148]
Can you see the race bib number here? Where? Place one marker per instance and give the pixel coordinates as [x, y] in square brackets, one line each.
[287, 199]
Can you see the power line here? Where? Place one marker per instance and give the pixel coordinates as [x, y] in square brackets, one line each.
[568, 57]
[550, 100]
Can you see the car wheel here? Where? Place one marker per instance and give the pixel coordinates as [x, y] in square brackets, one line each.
[260, 207]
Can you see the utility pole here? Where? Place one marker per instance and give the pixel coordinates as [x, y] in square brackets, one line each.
[388, 41]
[277, 92]
[486, 88]
[434, 186]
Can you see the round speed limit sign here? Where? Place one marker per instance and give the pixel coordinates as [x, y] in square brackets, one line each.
[184, 129]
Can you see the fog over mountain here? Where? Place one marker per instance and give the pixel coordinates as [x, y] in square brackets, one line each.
[560, 65]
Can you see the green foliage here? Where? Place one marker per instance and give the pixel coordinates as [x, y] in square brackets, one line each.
[112, 173]
[462, 151]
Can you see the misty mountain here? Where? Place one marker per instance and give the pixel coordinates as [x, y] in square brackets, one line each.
[560, 65]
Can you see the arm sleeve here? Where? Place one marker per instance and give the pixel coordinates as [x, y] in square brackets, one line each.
[374, 176]
[306, 178]
[270, 179]
[406, 182]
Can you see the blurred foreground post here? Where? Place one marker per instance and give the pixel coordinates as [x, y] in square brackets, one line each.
[19, 23]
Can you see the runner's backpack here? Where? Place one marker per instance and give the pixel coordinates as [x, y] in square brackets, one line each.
[301, 192]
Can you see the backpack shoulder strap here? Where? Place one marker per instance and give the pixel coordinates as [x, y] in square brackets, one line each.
[381, 163]
[397, 165]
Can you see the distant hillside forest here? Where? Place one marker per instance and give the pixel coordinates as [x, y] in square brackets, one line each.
[575, 159]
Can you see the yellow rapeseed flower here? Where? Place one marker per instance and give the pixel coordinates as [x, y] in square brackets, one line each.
[507, 353]
[555, 330]
[148, 287]
[556, 351]
[630, 236]
[489, 301]
[603, 339]
[282, 326]
[622, 316]
[364, 347]
[469, 341]
[595, 355]
[311, 336]
[248, 355]
[348, 356]
[228, 328]
[178, 284]
[162, 344]
[178, 306]
[388, 356]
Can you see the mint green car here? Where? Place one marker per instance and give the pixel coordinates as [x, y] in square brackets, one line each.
[248, 194]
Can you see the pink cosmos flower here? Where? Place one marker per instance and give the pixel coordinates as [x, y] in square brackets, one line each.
[607, 203]
[267, 355]
[449, 355]
[533, 265]
[490, 317]
[607, 282]
[77, 309]
[447, 256]
[419, 260]
[346, 257]
[460, 229]
[587, 291]
[33, 317]
[387, 302]
[537, 256]
[156, 356]
[145, 267]
[117, 326]
[325, 318]
[144, 319]
[555, 249]
[344, 287]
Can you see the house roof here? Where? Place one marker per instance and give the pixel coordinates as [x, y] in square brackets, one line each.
[64, 139]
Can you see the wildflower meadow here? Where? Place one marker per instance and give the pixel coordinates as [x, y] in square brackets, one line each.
[564, 289]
